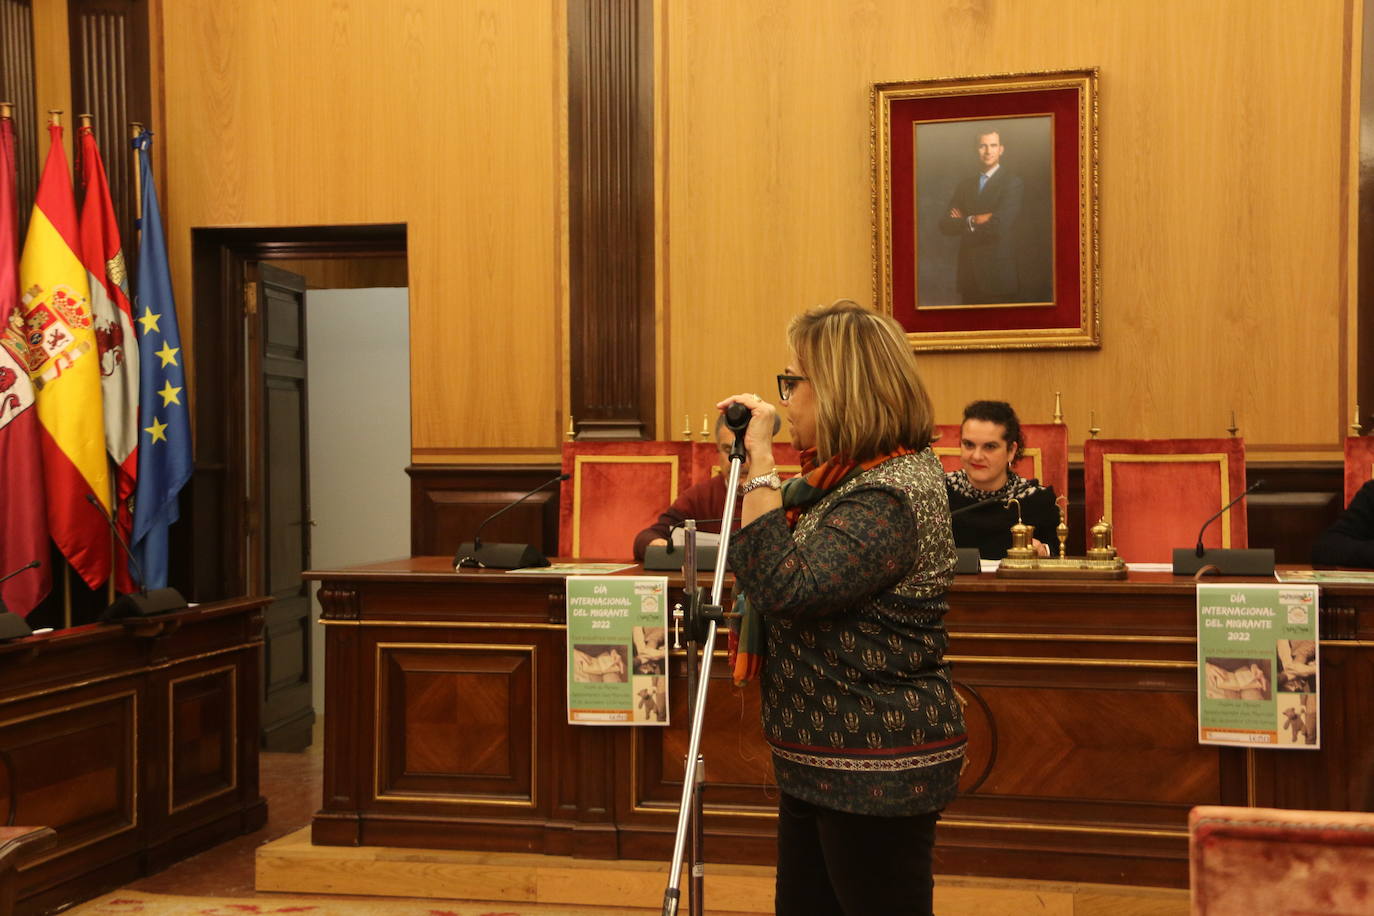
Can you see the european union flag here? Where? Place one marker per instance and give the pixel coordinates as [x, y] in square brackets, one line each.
[164, 439]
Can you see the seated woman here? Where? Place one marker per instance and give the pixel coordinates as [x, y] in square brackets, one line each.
[989, 442]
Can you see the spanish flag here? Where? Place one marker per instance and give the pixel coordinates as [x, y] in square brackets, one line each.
[64, 363]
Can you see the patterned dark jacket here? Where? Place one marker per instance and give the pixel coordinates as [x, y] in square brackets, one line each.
[858, 706]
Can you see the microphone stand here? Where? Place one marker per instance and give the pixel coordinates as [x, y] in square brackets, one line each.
[702, 620]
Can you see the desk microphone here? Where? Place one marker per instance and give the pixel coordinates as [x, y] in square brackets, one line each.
[144, 602]
[978, 505]
[1200, 550]
[503, 556]
[1225, 562]
[12, 626]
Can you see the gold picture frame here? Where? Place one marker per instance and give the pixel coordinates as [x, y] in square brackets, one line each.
[985, 210]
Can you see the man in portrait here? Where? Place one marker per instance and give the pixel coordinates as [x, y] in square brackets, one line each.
[983, 214]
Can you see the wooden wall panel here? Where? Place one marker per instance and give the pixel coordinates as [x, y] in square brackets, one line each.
[348, 273]
[1224, 201]
[444, 116]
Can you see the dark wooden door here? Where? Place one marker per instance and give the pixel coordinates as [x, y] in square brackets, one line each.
[279, 532]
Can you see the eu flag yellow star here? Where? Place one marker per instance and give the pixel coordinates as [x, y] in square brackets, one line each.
[158, 430]
[170, 393]
[148, 320]
[168, 353]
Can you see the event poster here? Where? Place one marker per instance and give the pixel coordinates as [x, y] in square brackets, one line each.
[617, 650]
[1257, 665]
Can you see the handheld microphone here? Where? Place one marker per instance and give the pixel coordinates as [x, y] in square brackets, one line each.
[12, 626]
[737, 418]
[1248, 490]
[1189, 561]
[503, 556]
[144, 602]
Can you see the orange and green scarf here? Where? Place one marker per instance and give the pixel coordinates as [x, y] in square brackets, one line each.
[746, 641]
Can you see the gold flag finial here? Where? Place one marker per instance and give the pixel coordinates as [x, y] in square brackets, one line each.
[1233, 428]
[571, 434]
[1058, 409]
[687, 427]
[1093, 428]
[1355, 429]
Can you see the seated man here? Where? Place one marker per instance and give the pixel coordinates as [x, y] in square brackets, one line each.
[1349, 542]
[701, 501]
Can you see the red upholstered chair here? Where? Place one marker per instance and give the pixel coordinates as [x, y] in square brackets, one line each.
[1359, 464]
[1045, 457]
[1246, 861]
[946, 446]
[704, 463]
[1157, 493]
[616, 490]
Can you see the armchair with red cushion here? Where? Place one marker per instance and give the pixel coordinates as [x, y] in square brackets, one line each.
[1156, 493]
[615, 490]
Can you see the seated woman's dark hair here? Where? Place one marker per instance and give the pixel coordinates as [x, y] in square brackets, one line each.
[998, 412]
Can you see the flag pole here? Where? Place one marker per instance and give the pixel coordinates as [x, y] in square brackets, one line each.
[55, 120]
[86, 124]
[136, 131]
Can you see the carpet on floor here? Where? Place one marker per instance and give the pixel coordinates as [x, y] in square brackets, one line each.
[137, 903]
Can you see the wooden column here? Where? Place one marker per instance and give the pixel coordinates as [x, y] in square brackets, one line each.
[611, 201]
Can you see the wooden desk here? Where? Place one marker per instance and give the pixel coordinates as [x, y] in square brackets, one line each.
[136, 744]
[445, 726]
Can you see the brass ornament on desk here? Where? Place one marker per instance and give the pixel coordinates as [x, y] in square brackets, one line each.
[1022, 563]
[1093, 428]
[705, 427]
[1355, 428]
[1021, 535]
[1061, 530]
[571, 433]
[687, 427]
[1233, 428]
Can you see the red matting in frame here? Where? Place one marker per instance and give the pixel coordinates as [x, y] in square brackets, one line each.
[1068, 98]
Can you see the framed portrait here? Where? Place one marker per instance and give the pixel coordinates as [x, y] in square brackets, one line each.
[985, 210]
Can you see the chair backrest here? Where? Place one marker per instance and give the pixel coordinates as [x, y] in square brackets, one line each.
[1157, 493]
[616, 490]
[1045, 456]
[704, 463]
[1267, 860]
[1359, 464]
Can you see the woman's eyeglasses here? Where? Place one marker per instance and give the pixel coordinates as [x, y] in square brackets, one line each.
[788, 384]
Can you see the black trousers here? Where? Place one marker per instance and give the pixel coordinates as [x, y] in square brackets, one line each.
[833, 862]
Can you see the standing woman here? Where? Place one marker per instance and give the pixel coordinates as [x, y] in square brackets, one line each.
[844, 571]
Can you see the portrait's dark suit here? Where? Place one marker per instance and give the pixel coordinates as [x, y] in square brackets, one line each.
[987, 253]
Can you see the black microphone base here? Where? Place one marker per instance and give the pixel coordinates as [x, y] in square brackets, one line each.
[155, 601]
[657, 557]
[12, 626]
[498, 556]
[1258, 561]
[967, 561]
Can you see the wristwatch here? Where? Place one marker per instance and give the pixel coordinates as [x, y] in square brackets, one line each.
[770, 480]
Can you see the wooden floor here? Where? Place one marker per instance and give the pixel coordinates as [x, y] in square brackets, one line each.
[279, 860]
[292, 865]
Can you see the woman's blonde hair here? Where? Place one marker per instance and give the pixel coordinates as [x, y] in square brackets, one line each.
[869, 396]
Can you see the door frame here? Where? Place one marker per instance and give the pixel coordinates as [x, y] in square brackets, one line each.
[220, 514]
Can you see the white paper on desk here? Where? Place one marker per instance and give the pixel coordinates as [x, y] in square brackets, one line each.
[1150, 567]
[989, 565]
[704, 538]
